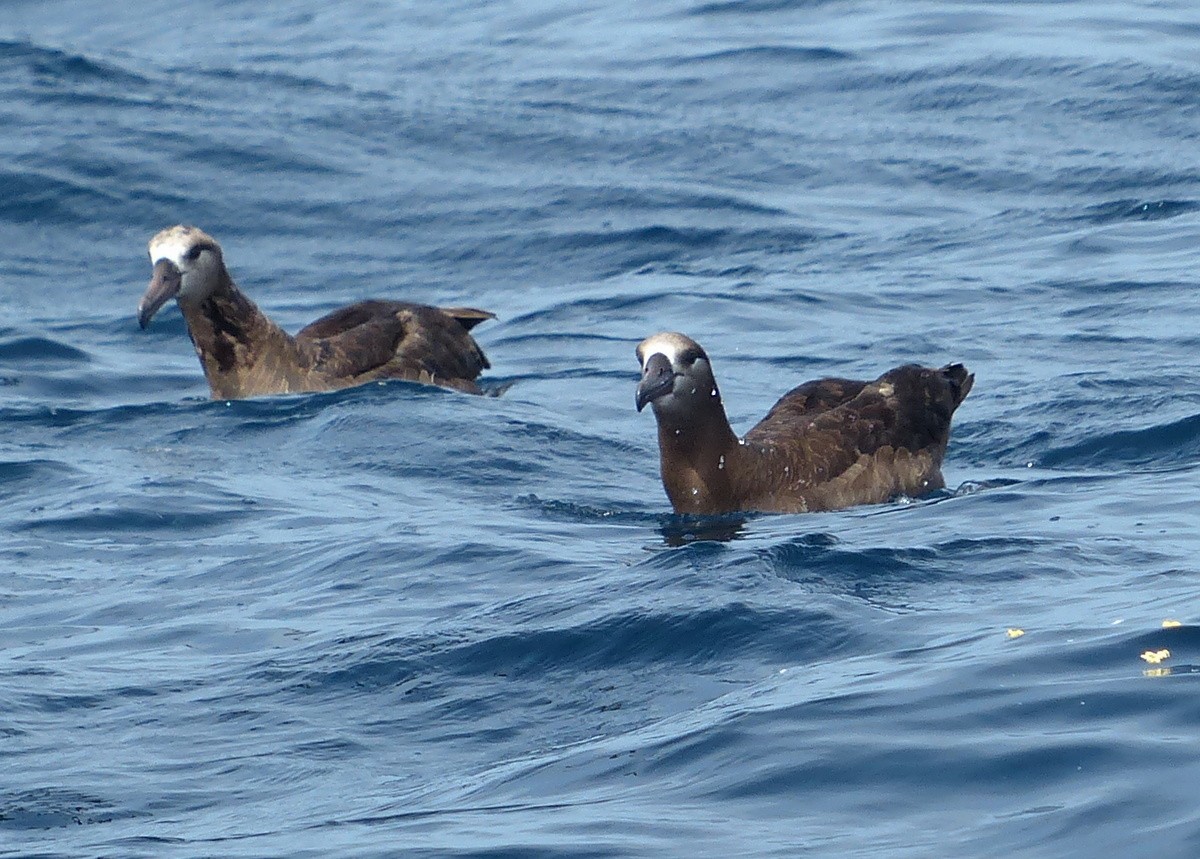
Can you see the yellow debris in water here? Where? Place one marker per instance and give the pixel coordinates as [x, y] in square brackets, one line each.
[1157, 672]
[1156, 656]
[1171, 624]
[1013, 632]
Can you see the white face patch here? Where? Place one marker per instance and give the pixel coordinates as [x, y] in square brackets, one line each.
[174, 242]
[172, 246]
[668, 344]
[199, 275]
[168, 250]
[652, 348]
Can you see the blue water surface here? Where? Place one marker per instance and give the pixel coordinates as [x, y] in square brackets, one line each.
[399, 620]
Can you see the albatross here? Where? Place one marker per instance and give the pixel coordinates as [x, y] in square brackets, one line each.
[827, 444]
[245, 354]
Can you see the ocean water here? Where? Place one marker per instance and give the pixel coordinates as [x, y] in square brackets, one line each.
[401, 621]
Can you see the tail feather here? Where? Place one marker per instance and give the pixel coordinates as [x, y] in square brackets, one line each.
[467, 317]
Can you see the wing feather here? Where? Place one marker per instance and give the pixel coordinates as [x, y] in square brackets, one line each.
[393, 339]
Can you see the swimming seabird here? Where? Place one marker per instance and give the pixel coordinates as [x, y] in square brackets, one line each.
[245, 354]
[827, 444]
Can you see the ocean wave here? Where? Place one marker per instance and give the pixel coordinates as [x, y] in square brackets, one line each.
[755, 7]
[58, 65]
[787, 54]
[40, 351]
[40, 197]
[1117, 211]
[54, 807]
[1168, 445]
[401, 615]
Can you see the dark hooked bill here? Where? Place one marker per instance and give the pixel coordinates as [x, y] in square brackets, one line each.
[658, 378]
[164, 285]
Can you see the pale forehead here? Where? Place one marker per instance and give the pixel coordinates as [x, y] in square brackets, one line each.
[173, 242]
[670, 344]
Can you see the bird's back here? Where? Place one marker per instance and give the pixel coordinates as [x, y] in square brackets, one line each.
[834, 443]
[375, 339]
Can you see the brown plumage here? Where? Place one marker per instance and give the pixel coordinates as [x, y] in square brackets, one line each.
[245, 354]
[827, 444]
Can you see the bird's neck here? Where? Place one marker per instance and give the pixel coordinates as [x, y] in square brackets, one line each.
[699, 458]
[235, 341]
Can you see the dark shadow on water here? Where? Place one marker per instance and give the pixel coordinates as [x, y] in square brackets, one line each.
[678, 530]
[569, 511]
[682, 530]
[495, 387]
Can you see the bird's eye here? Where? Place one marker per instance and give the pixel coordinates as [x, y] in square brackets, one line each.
[193, 253]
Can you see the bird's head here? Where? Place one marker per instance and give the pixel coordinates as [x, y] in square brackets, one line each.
[187, 266]
[677, 378]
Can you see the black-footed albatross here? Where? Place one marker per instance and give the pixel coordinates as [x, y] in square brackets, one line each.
[827, 444]
[245, 354]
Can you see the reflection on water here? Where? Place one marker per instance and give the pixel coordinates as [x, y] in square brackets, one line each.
[681, 530]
